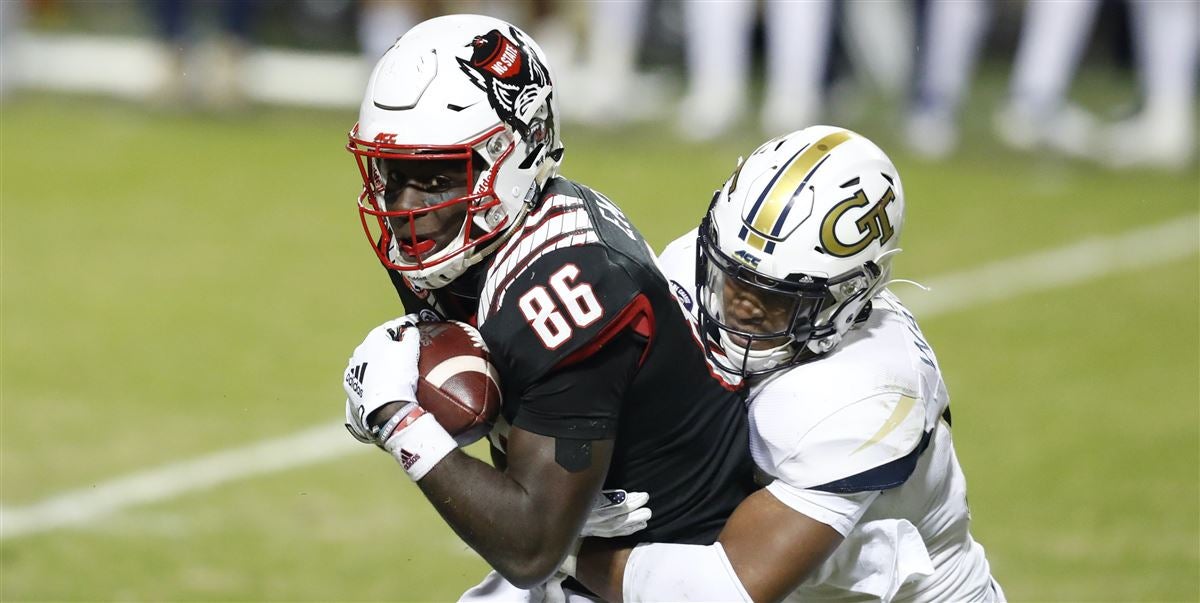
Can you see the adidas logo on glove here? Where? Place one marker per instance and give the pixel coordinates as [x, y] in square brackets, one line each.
[354, 377]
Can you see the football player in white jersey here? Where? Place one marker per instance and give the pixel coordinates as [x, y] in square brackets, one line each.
[850, 423]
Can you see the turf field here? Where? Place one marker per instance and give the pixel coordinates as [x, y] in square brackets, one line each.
[175, 286]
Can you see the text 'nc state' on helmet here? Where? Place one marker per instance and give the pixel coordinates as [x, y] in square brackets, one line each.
[463, 88]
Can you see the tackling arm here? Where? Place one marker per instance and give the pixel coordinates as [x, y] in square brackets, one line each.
[765, 551]
[772, 547]
[779, 535]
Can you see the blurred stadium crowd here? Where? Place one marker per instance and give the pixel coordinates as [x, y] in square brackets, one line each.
[710, 67]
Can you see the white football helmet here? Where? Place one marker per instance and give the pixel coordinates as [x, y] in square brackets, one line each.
[806, 224]
[459, 87]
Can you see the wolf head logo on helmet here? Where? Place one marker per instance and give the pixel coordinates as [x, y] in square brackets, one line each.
[515, 80]
[794, 247]
[473, 97]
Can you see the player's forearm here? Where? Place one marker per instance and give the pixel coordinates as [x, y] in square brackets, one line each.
[766, 549]
[600, 566]
[497, 518]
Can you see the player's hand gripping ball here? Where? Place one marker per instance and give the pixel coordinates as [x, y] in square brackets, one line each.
[457, 384]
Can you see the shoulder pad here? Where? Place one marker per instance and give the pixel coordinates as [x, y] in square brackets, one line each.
[680, 251]
[561, 222]
[813, 442]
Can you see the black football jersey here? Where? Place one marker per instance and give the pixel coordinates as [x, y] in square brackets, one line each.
[575, 282]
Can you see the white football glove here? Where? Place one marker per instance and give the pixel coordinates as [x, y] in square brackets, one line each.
[617, 513]
[383, 369]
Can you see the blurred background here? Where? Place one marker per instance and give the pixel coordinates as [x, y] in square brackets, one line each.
[183, 273]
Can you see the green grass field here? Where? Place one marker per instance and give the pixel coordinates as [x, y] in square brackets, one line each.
[177, 285]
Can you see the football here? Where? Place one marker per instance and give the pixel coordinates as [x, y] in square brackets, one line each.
[458, 384]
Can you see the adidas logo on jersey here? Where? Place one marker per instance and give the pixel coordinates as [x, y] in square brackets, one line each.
[355, 376]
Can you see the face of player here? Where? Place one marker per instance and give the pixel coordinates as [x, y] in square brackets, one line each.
[757, 311]
[413, 184]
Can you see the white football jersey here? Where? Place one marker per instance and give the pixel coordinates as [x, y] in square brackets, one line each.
[858, 440]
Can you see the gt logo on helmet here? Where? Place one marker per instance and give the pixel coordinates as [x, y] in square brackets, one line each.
[874, 224]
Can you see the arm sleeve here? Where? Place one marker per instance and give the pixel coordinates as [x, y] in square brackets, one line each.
[680, 572]
[583, 401]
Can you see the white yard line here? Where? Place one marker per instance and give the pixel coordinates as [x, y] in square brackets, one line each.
[1089, 259]
[310, 446]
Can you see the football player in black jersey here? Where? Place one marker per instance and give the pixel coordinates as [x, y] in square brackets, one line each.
[604, 384]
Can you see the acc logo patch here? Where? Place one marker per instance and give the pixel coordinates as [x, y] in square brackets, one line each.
[682, 295]
[872, 225]
[747, 258]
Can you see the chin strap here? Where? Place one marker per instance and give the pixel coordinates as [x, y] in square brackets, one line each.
[898, 280]
[908, 282]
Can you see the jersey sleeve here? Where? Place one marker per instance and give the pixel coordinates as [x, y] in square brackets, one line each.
[582, 401]
[838, 511]
[561, 311]
[832, 467]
